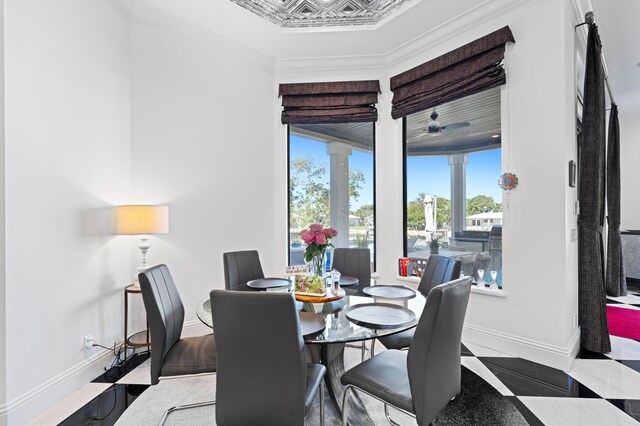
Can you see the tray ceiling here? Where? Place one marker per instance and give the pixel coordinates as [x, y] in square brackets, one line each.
[321, 13]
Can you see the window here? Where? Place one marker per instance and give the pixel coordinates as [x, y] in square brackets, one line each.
[332, 182]
[452, 162]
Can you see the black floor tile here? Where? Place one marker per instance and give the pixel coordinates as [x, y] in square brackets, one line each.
[106, 408]
[585, 354]
[524, 410]
[613, 302]
[629, 406]
[527, 378]
[634, 364]
[114, 374]
[636, 305]
[464, 351]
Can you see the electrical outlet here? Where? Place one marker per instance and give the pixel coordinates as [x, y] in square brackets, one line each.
[575, 320]
[574, 234]
[89, 342]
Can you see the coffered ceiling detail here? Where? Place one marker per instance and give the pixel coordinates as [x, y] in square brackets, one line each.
[322, 13]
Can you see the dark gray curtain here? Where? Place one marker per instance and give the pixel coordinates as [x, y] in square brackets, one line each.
[616, 282]
[469, 69]
[594, 334]
[330, 102]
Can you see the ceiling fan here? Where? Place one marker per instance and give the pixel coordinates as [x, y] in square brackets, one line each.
[435, 129]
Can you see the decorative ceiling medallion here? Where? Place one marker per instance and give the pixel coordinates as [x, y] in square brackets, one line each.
[322, 13]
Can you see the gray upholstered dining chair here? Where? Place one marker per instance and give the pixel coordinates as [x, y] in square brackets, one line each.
[275, 386]
[421, 381]
[353, 262]
[439, 269]
[172, 355]
[240, 267]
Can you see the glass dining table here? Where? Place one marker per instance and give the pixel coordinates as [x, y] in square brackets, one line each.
[328, 327]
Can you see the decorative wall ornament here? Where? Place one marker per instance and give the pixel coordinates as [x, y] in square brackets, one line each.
[508, 181]
[322, 13]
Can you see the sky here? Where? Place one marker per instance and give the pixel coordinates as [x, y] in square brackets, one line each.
[430, 175]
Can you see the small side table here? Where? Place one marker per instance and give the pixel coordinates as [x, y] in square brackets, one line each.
[141, 338]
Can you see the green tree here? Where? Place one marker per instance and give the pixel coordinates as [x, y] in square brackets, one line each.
[363, 212]
[415, 212]
[481, 204]
[309, 191]
[443, 212]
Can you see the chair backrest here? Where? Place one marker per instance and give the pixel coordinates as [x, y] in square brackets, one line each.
[439, 269]
[433, 360]
[165, 313]
[353, 262]
[261, 368]
[240, 267]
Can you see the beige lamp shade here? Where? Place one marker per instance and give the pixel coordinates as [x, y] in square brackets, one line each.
[142, 220]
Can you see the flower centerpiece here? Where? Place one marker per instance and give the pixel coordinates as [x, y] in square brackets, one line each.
[317, 240]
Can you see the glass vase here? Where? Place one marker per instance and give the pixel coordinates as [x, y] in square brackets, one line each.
[317, 264]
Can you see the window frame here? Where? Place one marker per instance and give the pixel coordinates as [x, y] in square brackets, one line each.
[375, 216]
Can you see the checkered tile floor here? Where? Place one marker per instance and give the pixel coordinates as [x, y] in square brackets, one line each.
[597, 389]
[630, 301]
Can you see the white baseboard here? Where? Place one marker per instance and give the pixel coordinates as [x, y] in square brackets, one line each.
[543, 353]
[27, 406]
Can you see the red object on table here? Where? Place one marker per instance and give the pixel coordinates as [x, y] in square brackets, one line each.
[403, 262]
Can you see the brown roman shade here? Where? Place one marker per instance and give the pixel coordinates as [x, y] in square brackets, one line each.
[469, 69]
[333, 102]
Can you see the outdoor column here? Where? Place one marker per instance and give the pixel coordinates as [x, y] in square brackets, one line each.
[339, 191]
[458, 163]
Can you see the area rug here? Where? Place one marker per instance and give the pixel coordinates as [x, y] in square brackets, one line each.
[477, 404]
[624, 322]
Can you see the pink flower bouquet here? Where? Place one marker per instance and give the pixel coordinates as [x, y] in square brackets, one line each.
[317, 240]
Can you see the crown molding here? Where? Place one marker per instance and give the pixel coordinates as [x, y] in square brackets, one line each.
[463, 22]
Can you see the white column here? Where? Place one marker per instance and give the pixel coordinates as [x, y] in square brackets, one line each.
[339, 191]
[458, 164]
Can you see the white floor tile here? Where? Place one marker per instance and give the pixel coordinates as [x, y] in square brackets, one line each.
[629, 298]
[576, 412]
[70, 404]
[622, 348]
[478, 350]
[141, 375]
[607, 378]
[476, 366]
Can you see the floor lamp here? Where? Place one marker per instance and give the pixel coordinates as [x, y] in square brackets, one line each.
[143, 221]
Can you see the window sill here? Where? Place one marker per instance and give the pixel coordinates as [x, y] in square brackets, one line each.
[408, 279]
[488, 292]
[474, 289]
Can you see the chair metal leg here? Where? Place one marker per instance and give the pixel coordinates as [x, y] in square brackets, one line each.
[386, 409]
[389, 419]
[344, 404]
[373, 348]
[163, 420]
[322, 403]
[363, 355]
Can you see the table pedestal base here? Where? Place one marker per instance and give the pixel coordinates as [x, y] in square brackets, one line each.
[332, 357]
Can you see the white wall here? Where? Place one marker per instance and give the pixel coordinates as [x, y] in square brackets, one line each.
[67, 143]
[3, 317]
[629, 170]
[202, 142]
[536, 318]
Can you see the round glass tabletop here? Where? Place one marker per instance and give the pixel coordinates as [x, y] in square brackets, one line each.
[338, 327]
